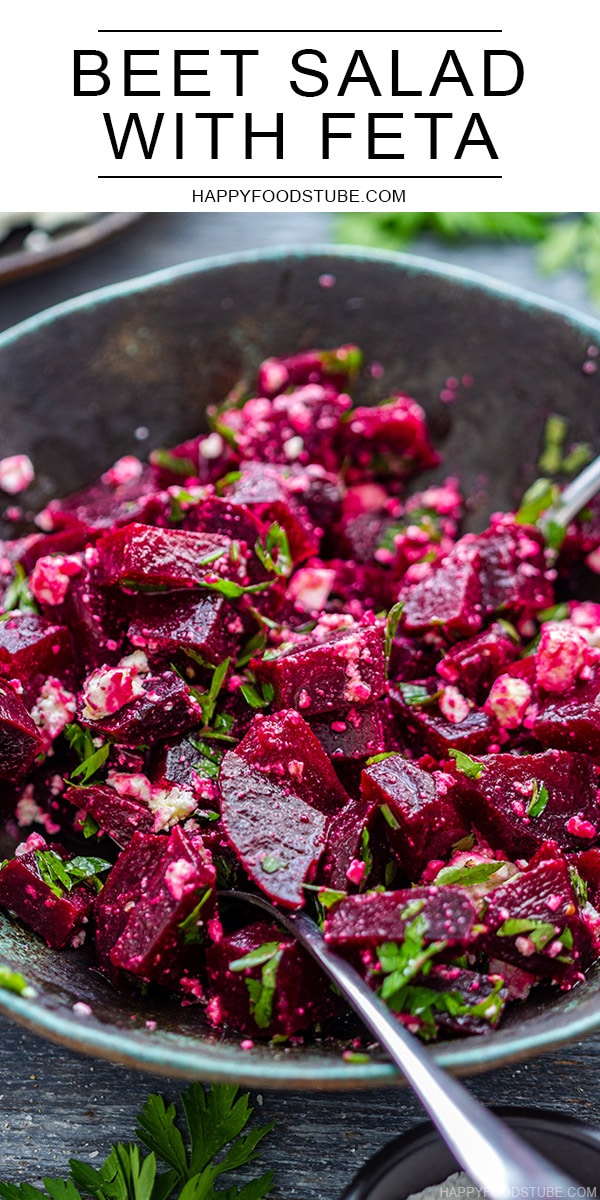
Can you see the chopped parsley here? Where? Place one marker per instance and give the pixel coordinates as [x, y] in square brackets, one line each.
[189, 927]
[391, 626]
[539, 799]
[13, 981]
[401, 961]
[258, 697]
[540, 933]
[62, 875]
[467, 765]
[175, 463]
[91, 758]
[468, 876]
[579, 886]
[17, 597]
[261, 991]
[389, 817]
[274, 552]
[271, 865]
[417, 696]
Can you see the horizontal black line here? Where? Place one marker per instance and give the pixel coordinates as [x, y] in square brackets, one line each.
[260, 31]
[241, 178]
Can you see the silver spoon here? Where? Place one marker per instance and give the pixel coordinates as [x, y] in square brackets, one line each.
[489, 1151]
[575, 496]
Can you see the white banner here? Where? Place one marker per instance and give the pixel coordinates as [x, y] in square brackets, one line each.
[173, 107]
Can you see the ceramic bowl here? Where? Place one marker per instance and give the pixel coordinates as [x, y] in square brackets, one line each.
[78, 381]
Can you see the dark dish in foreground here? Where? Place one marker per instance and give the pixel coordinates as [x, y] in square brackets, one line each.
[257, 659]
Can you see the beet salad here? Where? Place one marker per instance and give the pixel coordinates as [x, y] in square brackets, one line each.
[264, 661]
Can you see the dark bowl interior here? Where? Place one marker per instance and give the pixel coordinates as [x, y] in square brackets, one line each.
[420, 1159]
[75, 383]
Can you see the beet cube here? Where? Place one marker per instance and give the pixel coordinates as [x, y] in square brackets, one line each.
[166, 624]
[277, 837]
[155, 559]
[571, 720]
[520, 801]
[512, 568]
[118, 816]
[344, 863]
[122, 892]
[57, 914]
[449, 596]
[31, 649]
[430, 730]
[96, 620]
[20, 741]
[104, 505]
[276, 375]
[263, 490]
[447, 914]
[474, 663]
[164, 709]
[533, 922]
[153, 945]
[285, 748]
[281, 993]
[410, 659]
[358, 733]
[342, 671]
[424, 811]
[389, 439]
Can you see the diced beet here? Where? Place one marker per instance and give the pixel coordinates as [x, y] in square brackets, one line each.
[299, 995]
[284, 747]
[587, 864]
[333, 367]
[96, 619]
[431, 731]
[262, 489]
[164, 710]
[153, 944]
[205, 458]
[20, 740]
[277, 837]
[301, 426]
[166, 624]
[103, 506]
[118, 816]
[542, 901]
[448, 597]
[410, 659]
[178, 763]
[423, 811]
[320, 493]
[38, 545]
[389, 439]
[358, 733]
[57, 918]
[561, 785]
[513, 569]
[123, 891]
[571, 720]
[474, 664]
[163, 559]
[342, 671]
[344, 852]
[447, 914]
[31, 649]
[367, 587]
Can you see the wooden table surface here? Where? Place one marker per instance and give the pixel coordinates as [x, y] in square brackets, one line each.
[55, 1104]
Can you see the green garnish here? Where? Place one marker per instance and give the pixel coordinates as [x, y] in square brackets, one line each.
[389, 817]
[375, 758]
[401, 961]
[256, 698]
[91, 758]
[468, 876]
[539, 799]
[551, 458]
[539, 932]
[391, 626]
[540, 496]
[579, 886]
[558, 612]
[181, 1165]
[365, 853]
[417, 696]
[17, 597]
[467, 765]
[192, 934]
[61, 875]
[13, 981]
[174, 463]
[270, 864]
[261, 991]
[230, 589]
[274, 553]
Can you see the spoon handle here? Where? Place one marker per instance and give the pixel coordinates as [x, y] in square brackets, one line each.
[576, 495]
[492, 1154]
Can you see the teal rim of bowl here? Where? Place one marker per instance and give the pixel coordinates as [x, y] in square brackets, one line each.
[226, 1062]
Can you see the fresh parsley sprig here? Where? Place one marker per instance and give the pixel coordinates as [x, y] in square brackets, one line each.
[212, 1143]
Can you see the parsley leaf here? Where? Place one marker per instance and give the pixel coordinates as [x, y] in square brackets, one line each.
[62, 874]
[256, 698]
[539, 799]
[91, 759]
[274, 552]
[13, 981]
[467, 765]
[17, 597]
[468, 876]
[391, 626]
[212, 1144]
[417, 696]
[261, 991]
